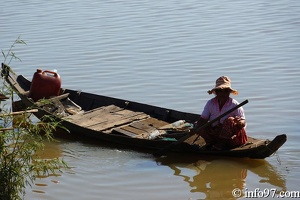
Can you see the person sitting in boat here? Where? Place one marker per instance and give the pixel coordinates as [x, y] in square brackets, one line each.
[229, 132]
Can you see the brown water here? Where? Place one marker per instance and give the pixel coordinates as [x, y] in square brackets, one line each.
[107, 172]
[167, 54]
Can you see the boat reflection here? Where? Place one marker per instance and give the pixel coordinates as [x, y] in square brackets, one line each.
[51, 150]
[219, 177]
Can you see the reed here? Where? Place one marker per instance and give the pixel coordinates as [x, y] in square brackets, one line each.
[20, 140]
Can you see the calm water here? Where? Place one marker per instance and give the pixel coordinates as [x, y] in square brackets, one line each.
[166, 53]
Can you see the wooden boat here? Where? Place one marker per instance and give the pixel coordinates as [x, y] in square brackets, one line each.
[129, 123]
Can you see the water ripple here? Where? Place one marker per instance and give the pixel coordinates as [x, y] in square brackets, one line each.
[166, 53]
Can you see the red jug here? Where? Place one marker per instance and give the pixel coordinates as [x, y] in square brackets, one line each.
[45, 84]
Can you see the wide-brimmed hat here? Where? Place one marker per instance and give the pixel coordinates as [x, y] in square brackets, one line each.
[223, 82]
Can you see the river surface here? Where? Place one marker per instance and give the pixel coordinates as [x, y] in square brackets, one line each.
[166, 53]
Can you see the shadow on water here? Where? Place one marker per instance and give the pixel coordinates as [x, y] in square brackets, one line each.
[218, 177]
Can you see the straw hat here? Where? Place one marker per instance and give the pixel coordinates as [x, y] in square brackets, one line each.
[223, 82]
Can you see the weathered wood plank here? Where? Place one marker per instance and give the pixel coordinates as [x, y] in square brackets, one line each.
[125, 132]
[133, 130]
[142, 128]
[101, 111]
[155, 122]
[19, 112]
[107, 118]
[121, 120]
[109, 108]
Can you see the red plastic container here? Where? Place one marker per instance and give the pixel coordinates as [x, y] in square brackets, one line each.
[45, 84]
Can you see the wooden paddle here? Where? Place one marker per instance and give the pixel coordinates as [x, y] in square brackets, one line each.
[170, 146]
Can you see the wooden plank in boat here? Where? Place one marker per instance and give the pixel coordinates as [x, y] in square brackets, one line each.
[110, 118]
[155, 122]
[151, 134]
[129, 131]
[142, 128]
[115, 119]
[93, 113]
[132, 131]
[124, 132]
[109, 108]
[145, 129]
[111, 124]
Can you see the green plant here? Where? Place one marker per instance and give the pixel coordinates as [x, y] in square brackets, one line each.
[10, 54]
[20, 140]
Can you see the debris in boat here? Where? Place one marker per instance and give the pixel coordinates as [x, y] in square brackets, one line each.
[60, 107]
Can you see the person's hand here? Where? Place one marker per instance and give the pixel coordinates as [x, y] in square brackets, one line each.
[239, 122]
